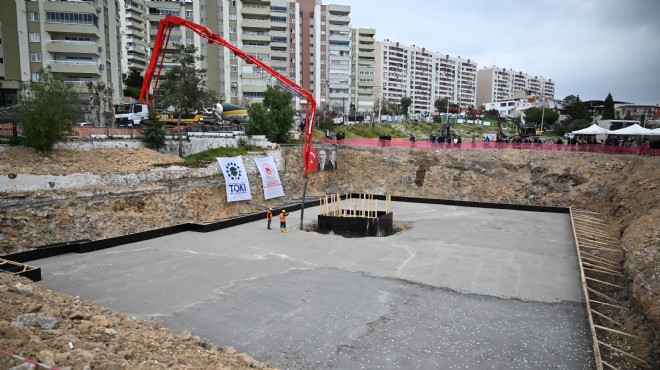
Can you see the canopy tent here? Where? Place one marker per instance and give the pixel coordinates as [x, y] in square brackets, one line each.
[655, 131]
[633, 130]
[592, 130]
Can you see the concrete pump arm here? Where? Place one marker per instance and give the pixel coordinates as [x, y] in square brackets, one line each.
[160, 45]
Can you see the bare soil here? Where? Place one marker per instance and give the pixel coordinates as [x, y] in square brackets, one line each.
[90, 335]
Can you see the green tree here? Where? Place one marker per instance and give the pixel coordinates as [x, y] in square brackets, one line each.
[48, 111]
[578, 110]
[133, 83]
[441, 105]
[184, 87]
[273, 117]
[533, 116]
[405, 105]
[571, 99]
[153, 132]
[608, 110]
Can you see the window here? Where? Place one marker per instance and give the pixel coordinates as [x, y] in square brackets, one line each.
[189, 40]
[35, 57]
[232, 29]
[36, 76]
[189, 13]
[35, 37]
[33, 16]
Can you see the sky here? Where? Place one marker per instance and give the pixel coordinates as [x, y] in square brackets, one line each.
[589, 48]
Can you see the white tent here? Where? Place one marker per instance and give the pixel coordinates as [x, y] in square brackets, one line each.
[655, 131]
[632, 130]
[592, 130]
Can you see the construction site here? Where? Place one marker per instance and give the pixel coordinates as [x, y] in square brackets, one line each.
[491, 259]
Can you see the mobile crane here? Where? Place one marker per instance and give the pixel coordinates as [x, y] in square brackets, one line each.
[158, 56]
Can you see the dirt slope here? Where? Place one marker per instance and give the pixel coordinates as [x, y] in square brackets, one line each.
[623, 188]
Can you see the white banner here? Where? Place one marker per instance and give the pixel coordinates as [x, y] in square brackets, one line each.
[270, 178]
[236, 179]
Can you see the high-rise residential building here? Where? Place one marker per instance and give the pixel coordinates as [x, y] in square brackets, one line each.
[135, 35]
[423, 76]
[78, 40]
[363, 70]
[499, 84]
[303, 39]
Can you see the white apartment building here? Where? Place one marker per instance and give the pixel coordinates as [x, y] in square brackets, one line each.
[424, 76]
[78, 40]
[499, 84]
[303, 39]
[363, 70]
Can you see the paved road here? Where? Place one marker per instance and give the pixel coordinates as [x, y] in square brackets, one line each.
[462, 287]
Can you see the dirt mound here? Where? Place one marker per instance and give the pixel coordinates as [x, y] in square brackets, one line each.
[24, 160]
[57, 329]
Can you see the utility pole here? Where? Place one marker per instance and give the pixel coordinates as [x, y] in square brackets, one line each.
[542, 113]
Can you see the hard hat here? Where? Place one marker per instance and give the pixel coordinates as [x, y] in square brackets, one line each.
[270, 209]
[284, 210]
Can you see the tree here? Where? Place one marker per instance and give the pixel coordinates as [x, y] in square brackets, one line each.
[100, 98]
[133, 83]
[571, 99]
[184, 87]
[441, 105]
[608, 110]
[273, 117]
[405, 104]
[534, 116]
[153, 132]
[578, 110]
[48, 111]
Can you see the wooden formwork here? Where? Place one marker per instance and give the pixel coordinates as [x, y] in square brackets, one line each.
[601, 275]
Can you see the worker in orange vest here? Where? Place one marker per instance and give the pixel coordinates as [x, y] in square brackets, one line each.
[283, 215]
[269, 217]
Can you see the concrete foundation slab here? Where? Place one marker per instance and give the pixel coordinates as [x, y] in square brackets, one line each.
[475, 287]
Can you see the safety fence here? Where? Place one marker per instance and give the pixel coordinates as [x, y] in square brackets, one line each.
[13, 130]
[480, 145]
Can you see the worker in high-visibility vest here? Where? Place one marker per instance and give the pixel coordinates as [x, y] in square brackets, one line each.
[269, 217]
[283, 215]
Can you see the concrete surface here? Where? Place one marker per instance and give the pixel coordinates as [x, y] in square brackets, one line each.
[461, 287]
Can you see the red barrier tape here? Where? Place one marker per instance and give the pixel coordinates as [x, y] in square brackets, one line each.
[479, 145]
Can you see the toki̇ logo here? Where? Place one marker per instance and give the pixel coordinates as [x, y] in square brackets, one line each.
[233, 171]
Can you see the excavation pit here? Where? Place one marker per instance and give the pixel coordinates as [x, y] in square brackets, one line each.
[465, 287]
[379, 224]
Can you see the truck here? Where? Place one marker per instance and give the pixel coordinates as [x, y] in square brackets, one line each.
[129, 115]
[132, 114]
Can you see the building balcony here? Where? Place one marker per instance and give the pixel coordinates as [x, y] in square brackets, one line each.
[70, 6]
[279, 54]
[73, 47]
[83, 29]
[256, 23]
[249, 9]
[70, 66]
[263, 37]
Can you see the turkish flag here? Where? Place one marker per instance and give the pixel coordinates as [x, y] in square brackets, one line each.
[312, 161]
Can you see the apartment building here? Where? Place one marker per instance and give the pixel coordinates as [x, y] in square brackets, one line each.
[78, 40]
[363, 70]
[424, 76]
[303, 39]
[499, 84]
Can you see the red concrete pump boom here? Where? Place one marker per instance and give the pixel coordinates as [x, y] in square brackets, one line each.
[160, 46]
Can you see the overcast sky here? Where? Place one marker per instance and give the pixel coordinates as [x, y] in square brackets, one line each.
[588, 47]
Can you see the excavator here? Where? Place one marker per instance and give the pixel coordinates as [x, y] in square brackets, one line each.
[523, 131]
[156, 65]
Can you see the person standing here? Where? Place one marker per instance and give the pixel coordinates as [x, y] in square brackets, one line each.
[269, 217]
[283, 215]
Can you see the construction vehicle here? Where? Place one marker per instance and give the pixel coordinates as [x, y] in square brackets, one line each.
[130, 114]
[523, 131]
[156, 65]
